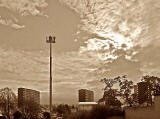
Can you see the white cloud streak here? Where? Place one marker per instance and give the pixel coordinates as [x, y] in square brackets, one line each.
[11, 23]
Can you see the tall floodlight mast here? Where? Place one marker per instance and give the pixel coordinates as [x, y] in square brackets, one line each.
[50, 40]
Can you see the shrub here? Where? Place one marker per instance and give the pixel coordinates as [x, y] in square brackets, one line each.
[46, 115]
[17, 115]
[80, 115]
[99, 112]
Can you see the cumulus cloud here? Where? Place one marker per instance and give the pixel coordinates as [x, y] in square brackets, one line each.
[116, 24]
[121, 34]
[25, 7]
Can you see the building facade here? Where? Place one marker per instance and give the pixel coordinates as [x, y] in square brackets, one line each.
[135, 94]
[26, 96]
[86, 95]
[144, 93]
[82, 106]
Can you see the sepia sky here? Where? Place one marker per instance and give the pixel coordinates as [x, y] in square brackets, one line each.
[94, 39]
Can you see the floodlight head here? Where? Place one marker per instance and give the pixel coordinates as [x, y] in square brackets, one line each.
[51, 39]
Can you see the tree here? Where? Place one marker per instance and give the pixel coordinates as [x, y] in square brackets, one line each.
[54, 108]
[109, 82]
[46, 115]
[8, 100]
[124, 90]
[110, 94]
[62, 109]
[126, 87]
[154, 82]
[110, 98]
[99, 112]
[31, 109]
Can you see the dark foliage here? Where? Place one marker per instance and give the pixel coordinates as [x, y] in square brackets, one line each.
[80, 115]
[126, 87]
[154, 82]
[98, 112]
[46, 115]
[31, 109]
[63, 109]
[17, 115]
[124, 90]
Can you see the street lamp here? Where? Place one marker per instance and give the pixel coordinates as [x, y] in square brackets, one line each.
[50, 39]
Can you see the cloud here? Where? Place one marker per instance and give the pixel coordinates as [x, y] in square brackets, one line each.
[71, 71]
[33, 67]
[11, 23]
[110, 23]
[25, 7]
[149, 58]
[17, 26]
[116, 43]
[30, 69]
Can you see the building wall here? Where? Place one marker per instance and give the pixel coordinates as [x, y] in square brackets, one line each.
[85, 107]
[135, 89]
[86, 95]
[144, 93]
[152, 112]
[27, 95]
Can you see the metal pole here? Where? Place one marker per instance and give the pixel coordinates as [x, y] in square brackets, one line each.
[50, 40]
[50, 77]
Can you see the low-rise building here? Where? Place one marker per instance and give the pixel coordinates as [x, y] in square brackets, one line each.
[86, 105]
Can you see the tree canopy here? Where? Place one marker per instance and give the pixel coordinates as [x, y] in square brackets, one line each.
[8, 100]
[123, 90]
[154, 81]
